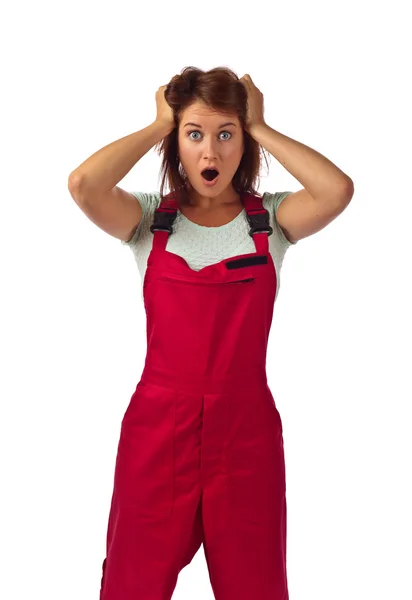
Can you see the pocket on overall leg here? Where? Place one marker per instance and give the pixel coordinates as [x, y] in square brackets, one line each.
[144, 474]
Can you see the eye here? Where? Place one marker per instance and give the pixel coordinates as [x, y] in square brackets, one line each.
[197, 131]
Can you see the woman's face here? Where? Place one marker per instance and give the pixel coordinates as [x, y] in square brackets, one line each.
[210, 139]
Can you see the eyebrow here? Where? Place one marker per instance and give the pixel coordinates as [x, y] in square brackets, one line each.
[220, 126]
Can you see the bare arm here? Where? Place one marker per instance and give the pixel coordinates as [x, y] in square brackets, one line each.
[93, 184]
[103, 170]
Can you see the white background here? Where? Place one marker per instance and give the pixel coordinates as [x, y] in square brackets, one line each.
[76, 77]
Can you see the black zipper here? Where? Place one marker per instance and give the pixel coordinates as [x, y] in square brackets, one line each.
[169, 278]
[242, 280]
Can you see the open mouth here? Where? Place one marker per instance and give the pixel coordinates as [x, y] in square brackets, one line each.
[210, 174]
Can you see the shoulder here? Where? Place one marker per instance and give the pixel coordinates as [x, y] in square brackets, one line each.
[149, 201]
[273, 200]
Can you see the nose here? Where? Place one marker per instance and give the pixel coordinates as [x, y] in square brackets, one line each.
[209, 149]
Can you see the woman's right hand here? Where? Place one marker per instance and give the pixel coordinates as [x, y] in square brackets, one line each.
[164, 111]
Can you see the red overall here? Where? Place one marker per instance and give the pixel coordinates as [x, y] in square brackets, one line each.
[200, 456]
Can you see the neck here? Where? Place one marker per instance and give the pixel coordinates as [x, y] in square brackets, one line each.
[228, 197]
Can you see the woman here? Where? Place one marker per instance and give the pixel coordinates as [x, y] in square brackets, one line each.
[200, 456]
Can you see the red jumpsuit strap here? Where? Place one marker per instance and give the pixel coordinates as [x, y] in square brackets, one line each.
[163, 220]
[258, 219]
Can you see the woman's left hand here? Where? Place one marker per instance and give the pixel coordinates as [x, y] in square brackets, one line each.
[255, 103]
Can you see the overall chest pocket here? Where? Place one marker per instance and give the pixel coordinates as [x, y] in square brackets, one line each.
[205, 283]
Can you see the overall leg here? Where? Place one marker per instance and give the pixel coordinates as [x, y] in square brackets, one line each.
[154, 527]
[244, 507]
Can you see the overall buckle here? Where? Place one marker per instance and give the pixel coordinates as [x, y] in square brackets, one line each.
[163, 220]
[259, 223]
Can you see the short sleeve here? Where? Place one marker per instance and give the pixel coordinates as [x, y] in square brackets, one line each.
[148, 203]
[278, 198]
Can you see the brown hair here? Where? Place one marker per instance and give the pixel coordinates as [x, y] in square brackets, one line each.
[221, 90]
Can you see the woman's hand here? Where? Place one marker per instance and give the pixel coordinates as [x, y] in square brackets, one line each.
[255, 103]
[164, 112]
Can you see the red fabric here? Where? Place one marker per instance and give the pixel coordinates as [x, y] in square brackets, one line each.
[200, 457]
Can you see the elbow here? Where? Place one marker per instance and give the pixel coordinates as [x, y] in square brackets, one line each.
[350, 188]
[74, 185]
[347, 191]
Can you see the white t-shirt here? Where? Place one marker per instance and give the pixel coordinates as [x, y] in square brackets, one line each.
[202, 246]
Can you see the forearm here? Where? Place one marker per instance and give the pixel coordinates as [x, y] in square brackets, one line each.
[318, 175]
[105, 168]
